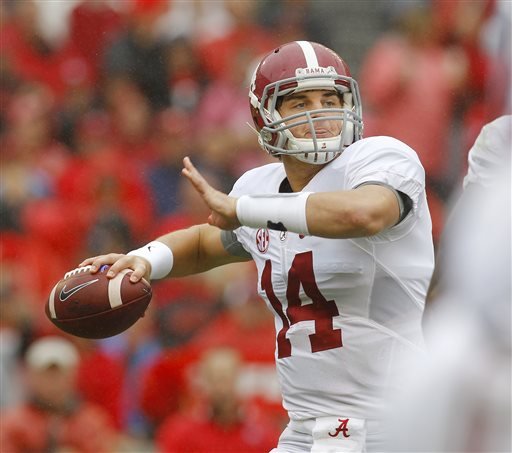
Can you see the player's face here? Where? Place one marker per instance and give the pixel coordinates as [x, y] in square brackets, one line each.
[297, 103]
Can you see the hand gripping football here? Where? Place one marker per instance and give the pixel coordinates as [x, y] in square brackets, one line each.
[93, 306]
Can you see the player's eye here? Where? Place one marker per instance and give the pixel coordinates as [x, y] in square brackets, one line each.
[299, 105]
[330, 103]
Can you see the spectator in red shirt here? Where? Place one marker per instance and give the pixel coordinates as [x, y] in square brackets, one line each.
[246, 326]
[414, 97]
[53, 418]
[221, 422]
[92, 27]
[481, 29]
[33, 58]
[219, 55]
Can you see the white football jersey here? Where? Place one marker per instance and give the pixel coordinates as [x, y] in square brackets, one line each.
[490, 152]
[346, 310]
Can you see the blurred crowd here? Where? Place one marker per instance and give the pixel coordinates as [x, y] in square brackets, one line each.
[100, 101]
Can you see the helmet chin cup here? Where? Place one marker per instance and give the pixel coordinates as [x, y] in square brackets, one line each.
[317, 158]
[321, 152]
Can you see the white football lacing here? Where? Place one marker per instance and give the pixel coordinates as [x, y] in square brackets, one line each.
[78, 270]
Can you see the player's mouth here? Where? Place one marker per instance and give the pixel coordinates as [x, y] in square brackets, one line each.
[320, 133]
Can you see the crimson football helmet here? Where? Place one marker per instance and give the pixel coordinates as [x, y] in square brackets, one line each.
[301, 66]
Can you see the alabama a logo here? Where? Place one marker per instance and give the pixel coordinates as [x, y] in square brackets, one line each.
[262, 239]
[342, 428]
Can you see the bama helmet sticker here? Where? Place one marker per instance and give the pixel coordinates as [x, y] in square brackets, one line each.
[262, 239]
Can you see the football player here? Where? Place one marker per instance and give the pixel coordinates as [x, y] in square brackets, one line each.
[340, 232]
[468, 322]
[489, 155]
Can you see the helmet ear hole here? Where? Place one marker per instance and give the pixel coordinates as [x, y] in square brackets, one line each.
[279, 102]
[256, 118]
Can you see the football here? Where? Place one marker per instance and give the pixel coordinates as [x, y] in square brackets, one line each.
[93, 306]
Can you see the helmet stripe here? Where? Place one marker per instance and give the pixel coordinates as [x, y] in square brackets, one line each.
[309, 54]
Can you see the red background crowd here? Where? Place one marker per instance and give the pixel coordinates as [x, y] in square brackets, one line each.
[96, 116]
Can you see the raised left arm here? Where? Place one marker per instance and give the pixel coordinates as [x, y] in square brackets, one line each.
[360, 212]
[364, 211]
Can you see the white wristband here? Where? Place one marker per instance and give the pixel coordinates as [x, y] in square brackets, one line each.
[285, 212]
[159, 256]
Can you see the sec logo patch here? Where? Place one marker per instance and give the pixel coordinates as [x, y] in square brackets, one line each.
[262, 239]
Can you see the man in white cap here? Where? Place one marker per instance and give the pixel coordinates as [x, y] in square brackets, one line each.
[53, 417]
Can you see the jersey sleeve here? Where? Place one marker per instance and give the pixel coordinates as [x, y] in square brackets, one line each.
[389, 162]
[230, 239]
[232, 245]
[259, 180]
[238, 188]
[489, 153]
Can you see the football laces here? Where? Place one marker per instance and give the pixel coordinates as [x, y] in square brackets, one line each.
[78, 270]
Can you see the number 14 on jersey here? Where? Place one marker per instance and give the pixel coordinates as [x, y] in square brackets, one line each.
[320, 310]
